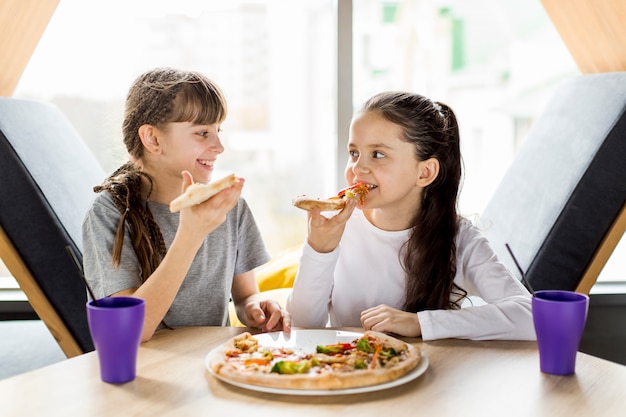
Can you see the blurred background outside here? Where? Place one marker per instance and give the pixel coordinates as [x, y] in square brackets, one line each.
[495, 62]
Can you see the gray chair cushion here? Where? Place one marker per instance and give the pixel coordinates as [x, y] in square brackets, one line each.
[47, 174]
[566, 185]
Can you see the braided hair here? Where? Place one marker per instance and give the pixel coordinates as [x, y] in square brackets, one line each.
[429, 255]
[124, 185]
[157, 97]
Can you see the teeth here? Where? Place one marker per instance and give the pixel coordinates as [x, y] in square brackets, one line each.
[207, 163]
[371, 186]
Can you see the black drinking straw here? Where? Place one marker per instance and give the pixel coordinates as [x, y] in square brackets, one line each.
[520, 270]
[81, 272]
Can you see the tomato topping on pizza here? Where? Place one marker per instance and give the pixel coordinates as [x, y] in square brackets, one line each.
[356, 191]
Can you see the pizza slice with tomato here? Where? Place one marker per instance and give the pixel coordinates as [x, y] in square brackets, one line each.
[356, 192]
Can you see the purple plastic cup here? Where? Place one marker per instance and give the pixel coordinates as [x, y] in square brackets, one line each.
[115, 325]
[559, 318]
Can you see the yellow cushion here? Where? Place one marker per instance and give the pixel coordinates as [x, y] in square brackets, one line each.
[232, 315]
[279, 272]
[275, 280]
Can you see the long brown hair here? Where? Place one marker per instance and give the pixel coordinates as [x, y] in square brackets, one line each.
[157, 97]
[429, 255]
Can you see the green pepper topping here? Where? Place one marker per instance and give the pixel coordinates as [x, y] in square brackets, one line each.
[364, 346]
[388, 352]
[292, 367]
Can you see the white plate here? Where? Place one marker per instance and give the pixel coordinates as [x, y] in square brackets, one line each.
[308, 340]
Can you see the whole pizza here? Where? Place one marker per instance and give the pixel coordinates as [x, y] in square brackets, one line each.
[373, 358]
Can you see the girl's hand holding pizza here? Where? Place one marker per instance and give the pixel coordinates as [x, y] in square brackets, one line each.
[201, 219]
[325, 233]
[386, 319]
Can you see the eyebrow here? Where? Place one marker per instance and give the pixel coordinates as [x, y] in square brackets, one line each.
[194, 125]
[373, 145]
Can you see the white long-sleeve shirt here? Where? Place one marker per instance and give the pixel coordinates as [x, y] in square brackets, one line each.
[365, 270]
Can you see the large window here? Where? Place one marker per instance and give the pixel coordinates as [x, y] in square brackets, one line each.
[495, 62]
[273, 59]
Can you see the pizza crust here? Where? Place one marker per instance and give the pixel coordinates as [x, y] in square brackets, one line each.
[325, 381]
[197, 193]
[315, 381]
[307, 203]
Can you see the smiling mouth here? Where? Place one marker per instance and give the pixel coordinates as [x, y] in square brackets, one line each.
[205, 162]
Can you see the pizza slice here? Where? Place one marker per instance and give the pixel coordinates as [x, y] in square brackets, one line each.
[198, 192]
[357, 192]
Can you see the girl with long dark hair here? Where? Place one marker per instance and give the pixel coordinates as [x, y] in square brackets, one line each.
[405, 261]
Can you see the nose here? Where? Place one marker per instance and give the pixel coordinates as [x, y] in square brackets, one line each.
[355, 168]
[217, 146]
[359, 166]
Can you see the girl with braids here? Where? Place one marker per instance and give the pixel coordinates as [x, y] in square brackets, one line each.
[405, 261]
[186, 265]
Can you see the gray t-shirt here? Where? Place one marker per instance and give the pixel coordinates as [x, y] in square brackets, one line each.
[235, 247]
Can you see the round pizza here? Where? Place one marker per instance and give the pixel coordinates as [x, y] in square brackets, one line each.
[371, 359]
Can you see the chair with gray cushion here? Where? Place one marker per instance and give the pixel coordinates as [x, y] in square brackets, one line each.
[47, 174]
[561, 204]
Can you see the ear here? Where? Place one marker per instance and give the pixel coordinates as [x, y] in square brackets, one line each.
[427, 171]
[149, 138]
